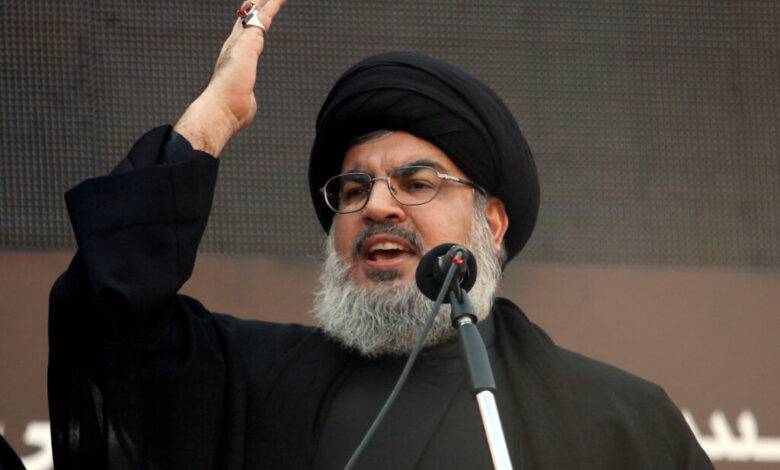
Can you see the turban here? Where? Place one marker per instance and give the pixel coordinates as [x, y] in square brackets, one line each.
[443, 105]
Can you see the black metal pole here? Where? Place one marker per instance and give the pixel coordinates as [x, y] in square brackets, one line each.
[481, 375]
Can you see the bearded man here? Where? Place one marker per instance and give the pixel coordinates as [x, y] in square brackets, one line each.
[410, 152]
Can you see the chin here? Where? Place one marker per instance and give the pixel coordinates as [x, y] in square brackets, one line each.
[383, 278]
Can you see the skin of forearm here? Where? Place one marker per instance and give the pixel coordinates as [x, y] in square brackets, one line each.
[228, 103]
[207, 126]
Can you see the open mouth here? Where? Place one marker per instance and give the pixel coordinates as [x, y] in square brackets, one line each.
[386, 251]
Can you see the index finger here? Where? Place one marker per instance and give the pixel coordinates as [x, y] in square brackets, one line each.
[268, 11]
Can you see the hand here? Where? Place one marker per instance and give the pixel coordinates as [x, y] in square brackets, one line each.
[228, 103]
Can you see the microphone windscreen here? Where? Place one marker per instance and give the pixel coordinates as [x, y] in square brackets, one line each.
[432, 270]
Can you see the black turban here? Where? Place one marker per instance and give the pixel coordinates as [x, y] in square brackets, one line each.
[439, 103]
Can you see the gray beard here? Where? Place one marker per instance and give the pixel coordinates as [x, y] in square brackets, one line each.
[388, 317]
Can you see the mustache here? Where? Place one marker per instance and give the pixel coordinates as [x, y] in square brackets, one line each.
[407, 234]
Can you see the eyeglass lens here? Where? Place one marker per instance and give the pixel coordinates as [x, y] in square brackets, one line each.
[409, 185]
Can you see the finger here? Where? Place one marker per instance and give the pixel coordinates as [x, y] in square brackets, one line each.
[268, 11]
[252, 38]
[237, 28]
[272, 7]
[244, 38]
[234, 34]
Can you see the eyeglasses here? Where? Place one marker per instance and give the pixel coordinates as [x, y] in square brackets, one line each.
[409, 185]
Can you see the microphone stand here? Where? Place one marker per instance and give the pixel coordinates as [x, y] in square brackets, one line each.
[464, 320]
[482, 382]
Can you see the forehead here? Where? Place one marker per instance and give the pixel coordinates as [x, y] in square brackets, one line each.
[384, 153]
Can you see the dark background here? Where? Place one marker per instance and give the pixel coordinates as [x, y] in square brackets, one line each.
[654, 125]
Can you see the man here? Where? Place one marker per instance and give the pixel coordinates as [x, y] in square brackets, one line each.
[410, 153]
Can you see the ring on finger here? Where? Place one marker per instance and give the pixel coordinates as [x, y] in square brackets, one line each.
[253, 19]
[246, 9]
[250, 17]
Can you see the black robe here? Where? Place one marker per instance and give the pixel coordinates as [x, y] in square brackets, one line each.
[141, 377]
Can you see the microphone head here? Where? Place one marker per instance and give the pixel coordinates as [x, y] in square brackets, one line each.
[434, 265]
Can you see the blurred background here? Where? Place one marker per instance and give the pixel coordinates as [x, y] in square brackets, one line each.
[655, 127]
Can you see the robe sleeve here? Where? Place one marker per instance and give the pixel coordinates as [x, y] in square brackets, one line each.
[676, 440]
[137, 376]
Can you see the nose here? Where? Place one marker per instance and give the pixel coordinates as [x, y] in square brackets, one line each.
[382, 206]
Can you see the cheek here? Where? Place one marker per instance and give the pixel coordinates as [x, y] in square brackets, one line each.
[343, 237]
[444, 224]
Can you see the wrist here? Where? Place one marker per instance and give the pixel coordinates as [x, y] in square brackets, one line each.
[207, 126]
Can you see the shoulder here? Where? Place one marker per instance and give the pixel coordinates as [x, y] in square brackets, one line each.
[270, 336]
[246, 329]
[633, 411]
[590, 390]
[590, 395]
[587, 374]
[258, 345]
[608, 381]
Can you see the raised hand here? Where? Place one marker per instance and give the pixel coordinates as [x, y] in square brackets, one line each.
[228, 103]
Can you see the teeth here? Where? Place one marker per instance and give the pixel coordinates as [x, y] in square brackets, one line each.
[385, 246]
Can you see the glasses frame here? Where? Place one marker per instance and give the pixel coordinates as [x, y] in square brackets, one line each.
[372, 179]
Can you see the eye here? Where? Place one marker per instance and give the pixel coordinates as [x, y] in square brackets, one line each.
[354, 191]
[417, 179]
[351, 186]
[419, 184]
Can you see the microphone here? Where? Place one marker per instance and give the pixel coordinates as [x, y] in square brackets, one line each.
[435, 268]
[434, 265]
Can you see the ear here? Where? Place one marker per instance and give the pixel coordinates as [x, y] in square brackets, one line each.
[497, 218]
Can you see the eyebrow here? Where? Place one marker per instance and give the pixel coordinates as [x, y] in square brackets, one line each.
[426, 162]
[419, 162]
